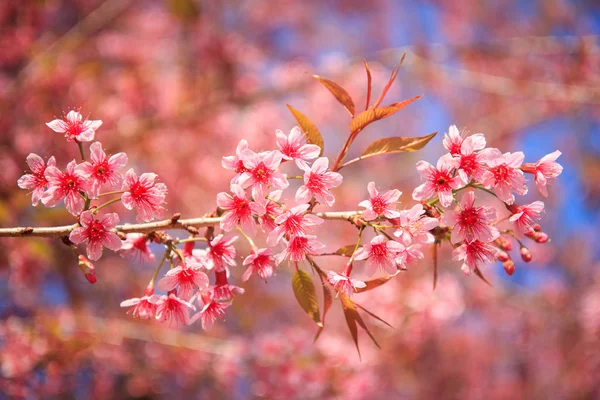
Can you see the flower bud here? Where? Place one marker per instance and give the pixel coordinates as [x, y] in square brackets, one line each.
[502, 256]
[526, 254]
[541, 237]
[87, 268]
[509, 267]
[504, 243]
[537, 227]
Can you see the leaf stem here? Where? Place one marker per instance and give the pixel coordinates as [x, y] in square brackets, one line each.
[101, 206]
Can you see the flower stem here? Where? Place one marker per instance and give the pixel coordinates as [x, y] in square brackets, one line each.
[81, 150]
[192, 239]
[247, 238]
[95, 211]
[111, 193]
[160, 264]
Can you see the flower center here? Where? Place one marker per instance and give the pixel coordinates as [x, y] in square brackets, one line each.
[378, 205]
[469, 217]
[137, 191]
[96, 231]
[501, 173]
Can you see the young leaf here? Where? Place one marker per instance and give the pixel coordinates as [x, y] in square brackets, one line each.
[327, 299]
[352, 318]
[480, 275]
[340, 94]
[304, 289]
[368, 84]
[313, 135]
[386, 111]
[397, 145]
[346, 251]
[374, 283]
[372, 315]
[361, 120]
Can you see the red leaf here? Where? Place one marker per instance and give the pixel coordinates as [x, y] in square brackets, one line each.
[339, 92]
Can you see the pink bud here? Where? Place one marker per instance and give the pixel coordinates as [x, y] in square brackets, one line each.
[526, 254]
[509, 267]
[541, 237]
[87, 268]
[502, 256]
[504, 243]
[537, 227]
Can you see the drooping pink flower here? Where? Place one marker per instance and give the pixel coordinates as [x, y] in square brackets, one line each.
[143, 307]
[261, 262]
[65, 185]
[471, 163]
[36, 181]
[97, 232]
[135, 247]
[380, 204]
[298, 247]
[471, 222]
[238, 210]
[380, 255]
[439, 181]
[187, 278]
[454, 140]
[173, 311]
[412, 225]
[144, 194]
[343, 284]
[506, 176]
[292, 222]
[318, 182]
[74, 127]
[261, 173]
[474, 253]
[222, 289]
[88, 269]
[524, 217]
[546, 168]
[272, 211]
[409, 256]
[221, 253]
[235, 163]
[102, 170]
[210, 312]
[294, 147]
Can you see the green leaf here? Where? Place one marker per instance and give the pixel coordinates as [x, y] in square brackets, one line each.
[374, 283]
[311, 132]
[339, 92]
[304, 289]
[396, 145]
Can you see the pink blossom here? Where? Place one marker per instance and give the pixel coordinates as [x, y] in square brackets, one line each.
[466, 151]
[380, 255]
[135, 247]
[36, 181]
[470, 222]
[144, 194]
[261, 262]
[75, 128]
[293, 147]
[344, 284]
[546, 168]
[380, 204]
[223, 290]
[272, 211]
[454, 141]
[298, 247]
[317, 182]
[96, 232]
[409, 256]
[412, 225]
[143, 307]
[439, 181]
[505, 176]
[261, 173]
[221, 253]
[102, 170]
[173, 311]
[524, 217]
[238, 210]
[210, 312]
[235, 162]
[292, 222]
[474, 253]
[65, 185]
[187, 278]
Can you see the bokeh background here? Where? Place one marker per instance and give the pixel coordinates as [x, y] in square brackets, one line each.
[179, 82]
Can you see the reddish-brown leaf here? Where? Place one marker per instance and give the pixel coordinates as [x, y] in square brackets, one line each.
[346, 251]
[386, 111]
[361, 120]
[339, 92]
[480, 275]
[397, 145]
[369, 79]
[310, 130]
[352, 318]
[374, 283]
[372, 315]
[327, 298]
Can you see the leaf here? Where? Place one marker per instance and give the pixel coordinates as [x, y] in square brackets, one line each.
[352, 318]
[339, 92]
[480, 275]
[327, 299]
[397, 145]
[311, 132]
[371, 314]
[364, 118]
[361, 120]
[346, 251]
[434, 251]
[304, 289]
[368, 84]
[372, 284]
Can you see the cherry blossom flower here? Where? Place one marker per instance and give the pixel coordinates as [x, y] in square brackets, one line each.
[36, 181]
[413, 226]
[65, 185]
[96, 232]
[187, 278]
[210, 312]
[380, 204]
[409, 255]
[439, 180]
[103, 170]
[292, 222]
[293, 147]
[173, 311]
[546, 168]
[144, 194]
[380, 255]
[221, 253]
[238, 210]
[272, 211]
[505, 177]
[75, 128]
[143, 307]
[524, 217]
[343, 284]
[261, 173]
[261, 262]
[474, 253]
[223, 290]
[298, 247]
[135, 247]
[235, 162]
[471, 222]
[317, 182]
[471, 163]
